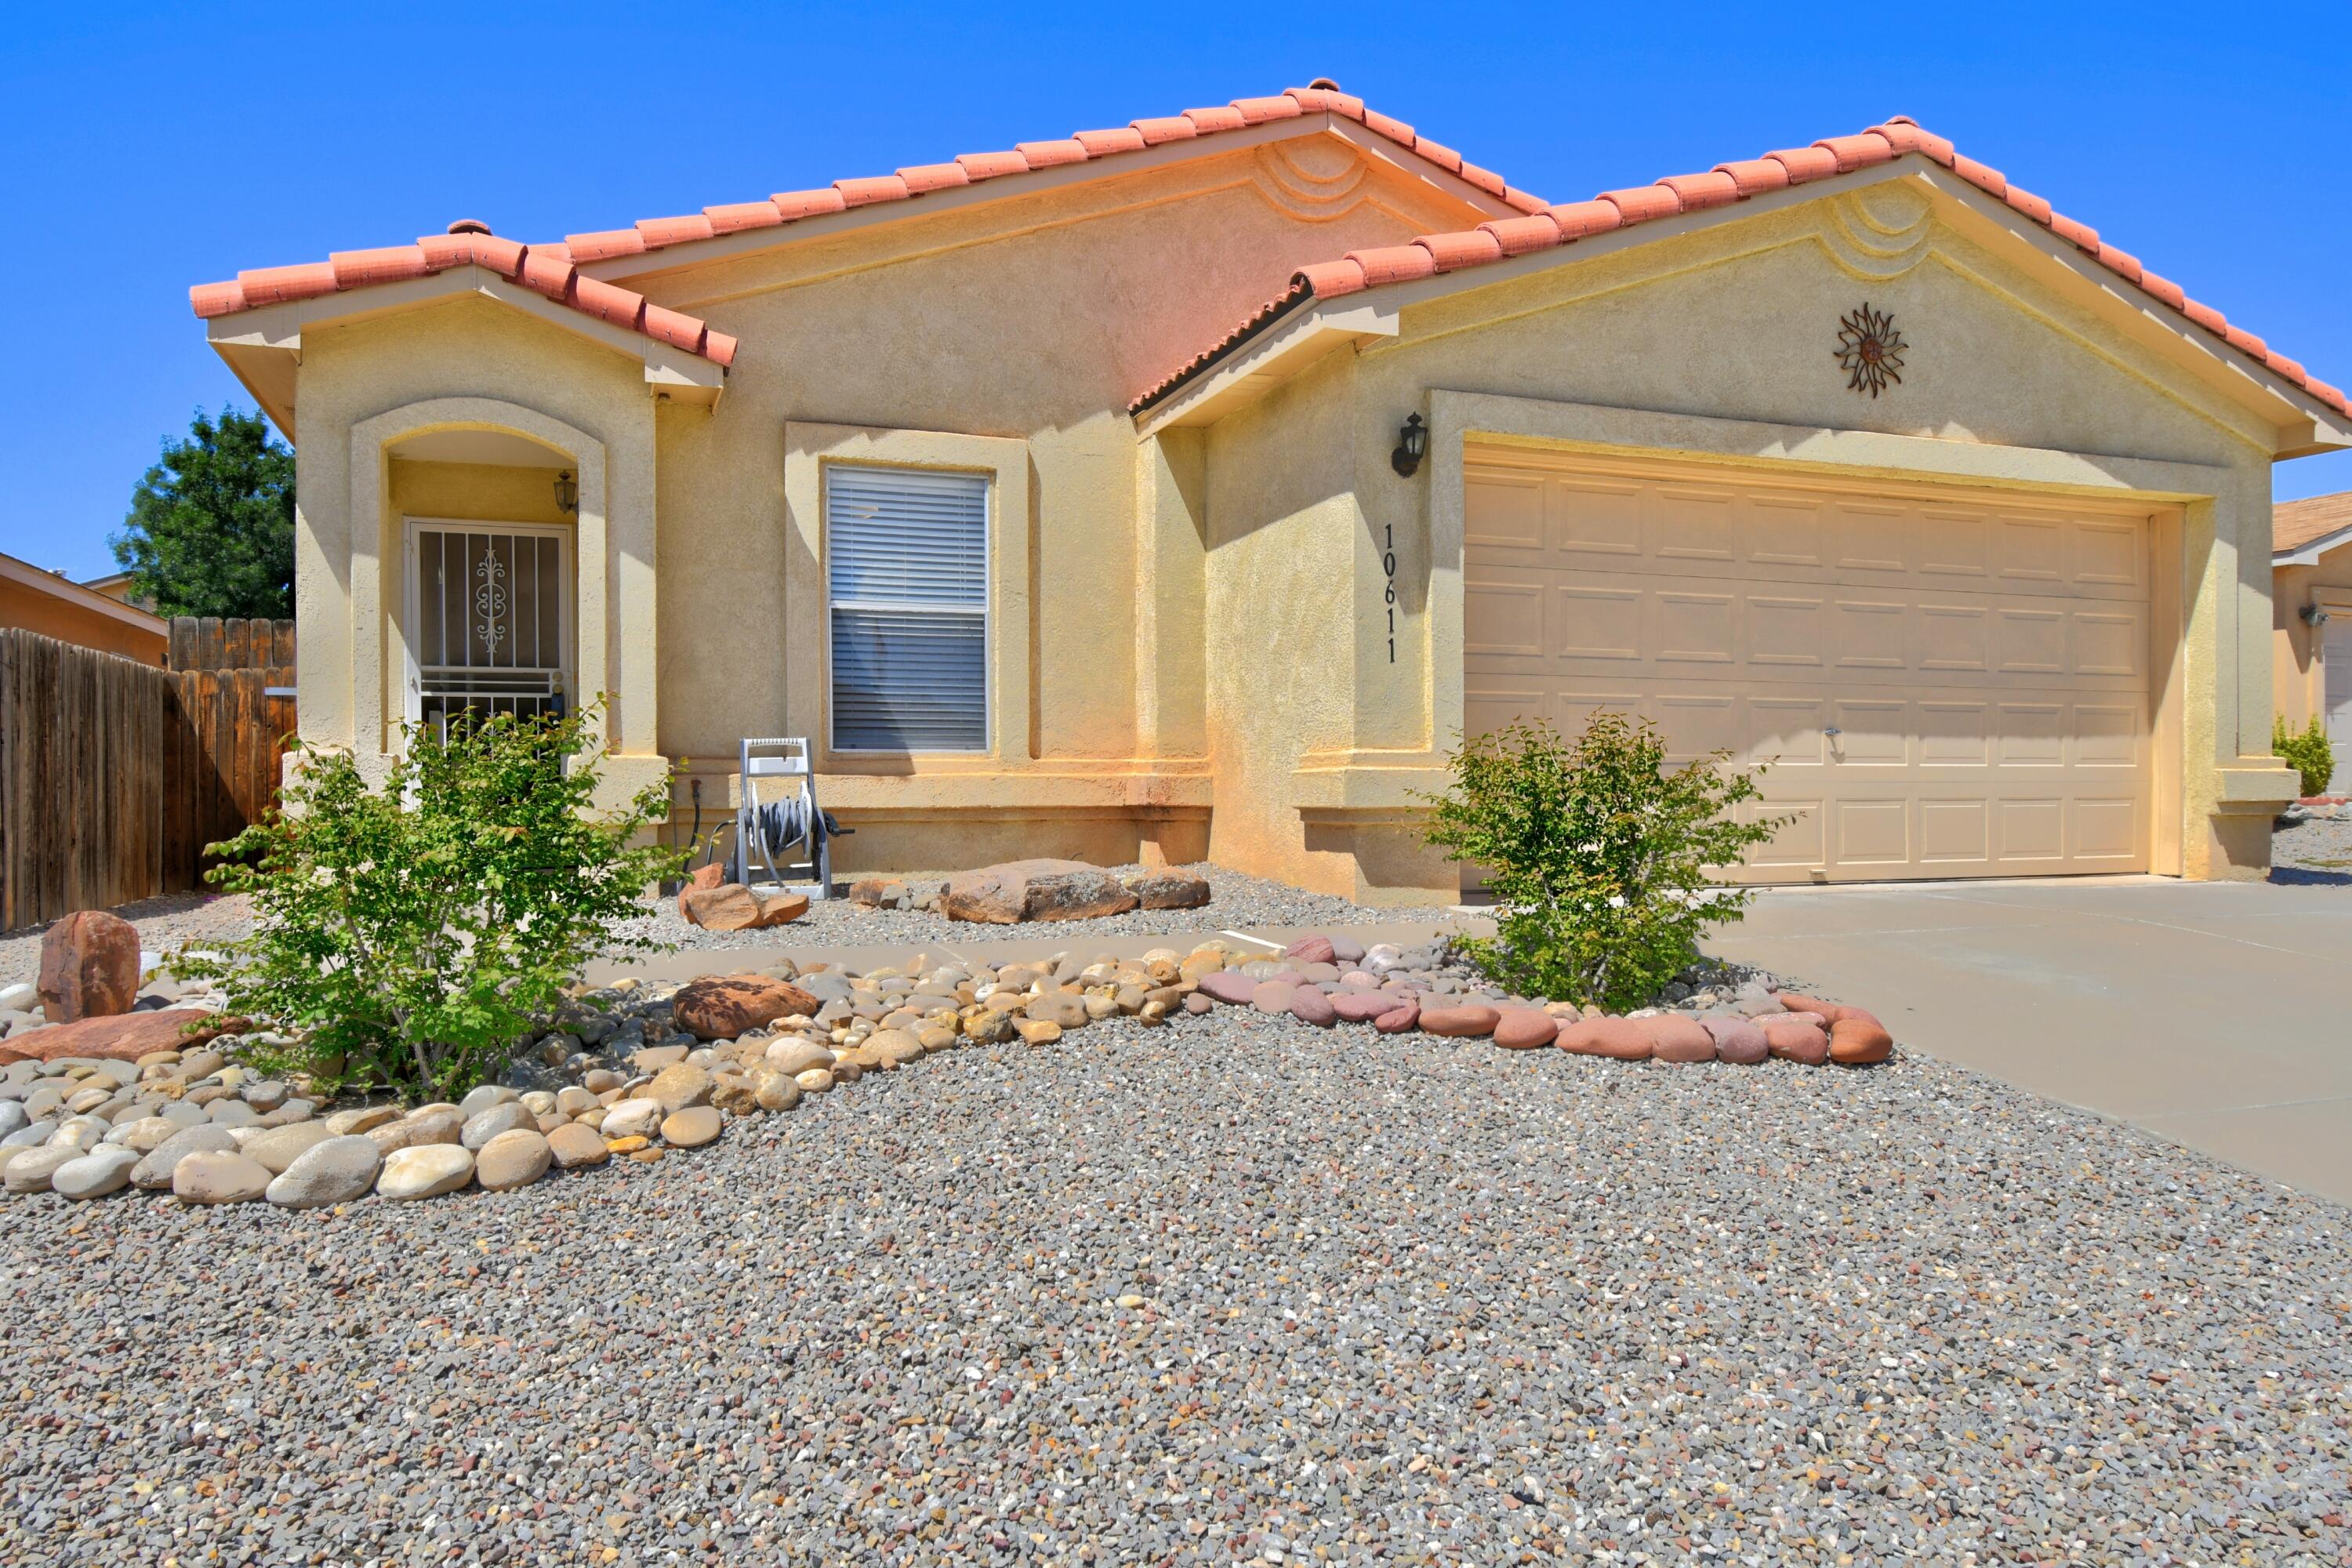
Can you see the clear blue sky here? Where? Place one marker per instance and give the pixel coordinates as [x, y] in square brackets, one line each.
[154, 147]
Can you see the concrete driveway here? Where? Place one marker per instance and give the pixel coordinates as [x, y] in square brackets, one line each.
[2218, 1014]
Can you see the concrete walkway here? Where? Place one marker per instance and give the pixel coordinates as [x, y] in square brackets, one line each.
[2218, 1014]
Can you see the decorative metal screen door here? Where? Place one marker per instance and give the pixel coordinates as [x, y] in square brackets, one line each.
[491, 619]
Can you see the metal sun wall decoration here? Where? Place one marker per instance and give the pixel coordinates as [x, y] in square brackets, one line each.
[1870, 350]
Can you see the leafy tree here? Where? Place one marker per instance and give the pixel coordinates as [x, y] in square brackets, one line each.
[1598, 854]
[211, 530]
[407, 934]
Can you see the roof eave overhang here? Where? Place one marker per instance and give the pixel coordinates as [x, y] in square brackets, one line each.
[1279, 350]
[264, 347]
[751, 241]
[2309, 552]
[2305, 425]
[31, 576]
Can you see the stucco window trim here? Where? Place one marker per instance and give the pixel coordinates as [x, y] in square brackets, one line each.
[810, 448]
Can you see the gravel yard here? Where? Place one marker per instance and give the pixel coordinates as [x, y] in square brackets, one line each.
[1213, 1295]
[1236, 902]
[2319, 850]
[163, 923]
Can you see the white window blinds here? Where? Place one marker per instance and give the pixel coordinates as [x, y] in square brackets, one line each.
[907, 567]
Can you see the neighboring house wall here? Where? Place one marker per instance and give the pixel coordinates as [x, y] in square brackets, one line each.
[44, 603]
[2300, 671]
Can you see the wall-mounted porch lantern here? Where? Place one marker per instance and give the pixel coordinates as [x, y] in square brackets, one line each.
[2315, 615]
[1412, 444]
[567, 494]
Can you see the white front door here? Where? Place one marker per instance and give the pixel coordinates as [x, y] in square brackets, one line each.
[490, 619]
[2336, 651]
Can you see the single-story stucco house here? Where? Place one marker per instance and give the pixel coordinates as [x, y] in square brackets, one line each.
[80, 613]
[2311, 600]
[1187, 488]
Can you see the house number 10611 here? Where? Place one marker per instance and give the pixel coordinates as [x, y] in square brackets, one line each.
[1388, 564]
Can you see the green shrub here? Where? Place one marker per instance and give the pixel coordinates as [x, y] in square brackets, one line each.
[1598, 855]
[406, 934]
[2309, 753]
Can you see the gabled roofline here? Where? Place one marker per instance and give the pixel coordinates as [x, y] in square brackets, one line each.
[14, 570]
[2309, 552]
[1498, 251]
[543, 271]
[721, 233]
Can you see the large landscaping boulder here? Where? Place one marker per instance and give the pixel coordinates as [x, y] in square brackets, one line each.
[731, 906]
[722, 1006]
[89, 966]
[121, 1037]
[1167, 888]
[1021, 890]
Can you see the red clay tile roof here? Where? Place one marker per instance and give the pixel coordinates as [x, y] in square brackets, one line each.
[971, 168]
[2295, 524]
[545, 268]
[1556, 225]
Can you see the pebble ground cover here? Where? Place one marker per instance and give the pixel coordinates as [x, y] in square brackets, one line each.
[1245, 1291]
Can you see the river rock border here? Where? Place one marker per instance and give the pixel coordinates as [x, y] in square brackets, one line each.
[638, 1073]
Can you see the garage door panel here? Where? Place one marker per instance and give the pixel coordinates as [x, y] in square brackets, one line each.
[1694, 628]
[1504, 619]
[1504, 511]
[1871, 834]
[1986, 665]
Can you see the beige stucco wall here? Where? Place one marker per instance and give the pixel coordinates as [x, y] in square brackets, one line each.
[467, 363]
[1191, 632]
[2298, 675]
[1015, 336]
[1715, 342]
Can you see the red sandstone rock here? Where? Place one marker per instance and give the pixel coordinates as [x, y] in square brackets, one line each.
[731, 906]
[120, 1036]
[1795, 1040]
[1620, 1040]
[1459, 1023]
[1310, 950]
[1859, 1040]
[701, 881]
[1273, 995]
[721, 1006]
[1829, 1011]
[1230, 986]
[1523, 1028]
[1402, 1019]
[1737, 1040]
[1020, 891]
[1362, 1006]
[1678, 1038]
[1310, 1006]
[89, 966]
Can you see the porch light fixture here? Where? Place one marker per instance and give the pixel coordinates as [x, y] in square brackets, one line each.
[567, 494]
[1412, 445]
[2315, 615]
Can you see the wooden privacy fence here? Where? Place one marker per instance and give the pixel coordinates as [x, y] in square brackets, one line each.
[114, 775]
[223, 735]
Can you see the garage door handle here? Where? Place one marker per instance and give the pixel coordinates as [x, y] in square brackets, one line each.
[1832, 731]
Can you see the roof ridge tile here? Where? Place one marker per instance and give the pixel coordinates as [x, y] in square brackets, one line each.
[1899, 136]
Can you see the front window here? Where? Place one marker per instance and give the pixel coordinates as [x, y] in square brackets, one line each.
[493, 619]
[907, 574]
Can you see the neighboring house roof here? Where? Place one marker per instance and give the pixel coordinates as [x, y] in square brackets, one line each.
[2302, 529]
[57, 585]
[1321, 97]
[545, 270]
[1500, 239]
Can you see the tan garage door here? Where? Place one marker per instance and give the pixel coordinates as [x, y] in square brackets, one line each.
[1946, 687]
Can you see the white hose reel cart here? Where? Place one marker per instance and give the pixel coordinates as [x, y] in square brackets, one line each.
[787, 824]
